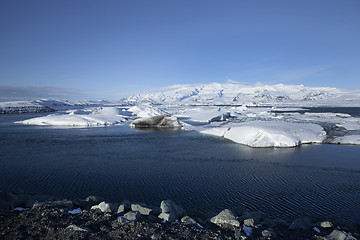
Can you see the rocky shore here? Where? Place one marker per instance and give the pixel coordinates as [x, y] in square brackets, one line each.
[30, 216]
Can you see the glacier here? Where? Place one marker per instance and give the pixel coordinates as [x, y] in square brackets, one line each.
[254, 115]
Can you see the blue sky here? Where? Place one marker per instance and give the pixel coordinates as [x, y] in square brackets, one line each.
[108, 49]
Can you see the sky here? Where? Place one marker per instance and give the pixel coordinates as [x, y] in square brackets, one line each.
[114, 48]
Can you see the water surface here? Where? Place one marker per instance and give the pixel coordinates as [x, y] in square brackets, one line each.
[203, 173]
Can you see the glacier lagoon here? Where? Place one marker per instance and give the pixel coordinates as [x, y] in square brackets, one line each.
[203, 173]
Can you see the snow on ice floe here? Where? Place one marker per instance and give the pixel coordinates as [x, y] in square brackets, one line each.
[270, 133]
[145, 111]
[352, 124]
[95, 116]
[200, 114]
[81, 117]
[328, 115]
[349, 139]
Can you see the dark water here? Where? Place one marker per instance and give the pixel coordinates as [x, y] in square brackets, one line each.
[352, 111]
[202, 173]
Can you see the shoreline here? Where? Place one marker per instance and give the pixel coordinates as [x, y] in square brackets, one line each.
[21, 217]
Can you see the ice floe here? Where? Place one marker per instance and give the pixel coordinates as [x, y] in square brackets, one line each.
[201, 114]
[270, 133]
[84, 117]
[347, 139]
[144, 111]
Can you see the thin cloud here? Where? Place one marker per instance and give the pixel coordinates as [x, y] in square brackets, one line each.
[15, 93]
[298, 74]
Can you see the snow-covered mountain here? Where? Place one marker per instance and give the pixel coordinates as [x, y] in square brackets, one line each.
[230, 93]
[235, 93]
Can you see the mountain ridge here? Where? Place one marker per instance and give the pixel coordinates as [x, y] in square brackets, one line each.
[239, 93]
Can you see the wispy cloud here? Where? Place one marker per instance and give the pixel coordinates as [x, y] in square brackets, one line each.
[275, 74]
[14, 93]
[299, 74]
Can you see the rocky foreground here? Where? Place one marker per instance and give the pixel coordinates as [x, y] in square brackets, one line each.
[23, 217]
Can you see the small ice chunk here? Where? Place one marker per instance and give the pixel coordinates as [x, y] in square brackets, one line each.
[75, 211]
[20, 209]
[316, 230]
[198, 224]
[247, 231]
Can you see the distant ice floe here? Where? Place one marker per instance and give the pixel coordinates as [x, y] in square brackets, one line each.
[328, 115]
[287, 109]
[270, 134]
[82, 117]
[200, 114]
[46, 105]
[347, 139]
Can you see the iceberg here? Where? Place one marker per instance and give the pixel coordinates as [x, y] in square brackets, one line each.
[145, 111]
[82, 117]
[160, 121]
[270, 133]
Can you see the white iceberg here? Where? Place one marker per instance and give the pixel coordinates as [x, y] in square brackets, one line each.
[201, 114]
[144, 111]
[270, 133]
[83, 117]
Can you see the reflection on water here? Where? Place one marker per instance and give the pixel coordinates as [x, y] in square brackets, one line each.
[203, 173]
